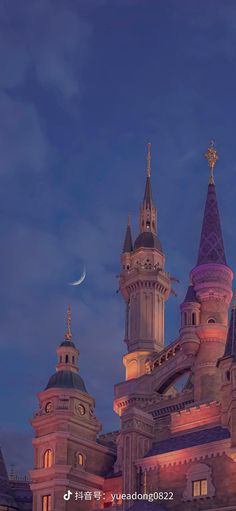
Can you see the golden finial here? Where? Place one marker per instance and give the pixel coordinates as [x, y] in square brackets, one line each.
[234, 300]
[212, 157]
[149, 159]
[68, 335]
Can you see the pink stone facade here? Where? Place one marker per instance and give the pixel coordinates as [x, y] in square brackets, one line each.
[174, 437]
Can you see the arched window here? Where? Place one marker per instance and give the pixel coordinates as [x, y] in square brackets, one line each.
[47, 459]
[211, 320]
[193, 318]
[73, 359]
[185, 318]
[67, 359]
[80, 459]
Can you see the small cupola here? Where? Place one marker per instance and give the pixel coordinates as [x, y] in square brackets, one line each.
[190, 309]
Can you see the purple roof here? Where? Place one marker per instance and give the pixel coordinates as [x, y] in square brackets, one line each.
[179, 442]
[230, 347]
[211, 249]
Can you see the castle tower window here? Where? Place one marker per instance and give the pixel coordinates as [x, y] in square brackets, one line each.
[73, 359]
[80, 459]
[46, 503]
[47, 459]
[185, 318]
[67, 359]
[211, 320]
[194, 318]
[199, 488]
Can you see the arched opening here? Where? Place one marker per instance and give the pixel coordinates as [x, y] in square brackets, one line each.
[176, 383]
[194, 318]
[67, 359]
[47, 459]
[211, 320]
[80, 459]
[73, 359]
[185, 318]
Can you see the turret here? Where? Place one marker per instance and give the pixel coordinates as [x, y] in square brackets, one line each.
[212, 282]
[144, 285]
[190, 319]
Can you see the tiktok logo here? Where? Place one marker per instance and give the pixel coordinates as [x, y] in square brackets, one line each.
[67, 495]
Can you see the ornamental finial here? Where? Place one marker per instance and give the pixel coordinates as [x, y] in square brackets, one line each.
[68, 335]
[148, 159]
[211, 157]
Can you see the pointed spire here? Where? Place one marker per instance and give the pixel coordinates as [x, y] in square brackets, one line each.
[68, 335]
[148, 159]
[128, 244]
[147, 200]
[211, 249]
[230, 347]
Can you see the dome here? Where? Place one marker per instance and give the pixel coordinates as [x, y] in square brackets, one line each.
[68, 344]
[148, 240]
[66, 380]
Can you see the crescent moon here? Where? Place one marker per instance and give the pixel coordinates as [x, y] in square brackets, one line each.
[80, 280]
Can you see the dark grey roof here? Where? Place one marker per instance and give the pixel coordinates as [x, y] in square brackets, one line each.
[128, 244]
[179, 442]
[66, 380]
[68, 344]
[147, 200]
[190, 295]
[148, 240]
[143, 505]
[6, 498]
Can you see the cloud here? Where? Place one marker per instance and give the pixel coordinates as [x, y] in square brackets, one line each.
[46, 37]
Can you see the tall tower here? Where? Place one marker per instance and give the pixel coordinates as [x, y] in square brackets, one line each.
[144, 285]
[67, 455]
[212, 283]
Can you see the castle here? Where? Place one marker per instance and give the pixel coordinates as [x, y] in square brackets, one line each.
[176, 446]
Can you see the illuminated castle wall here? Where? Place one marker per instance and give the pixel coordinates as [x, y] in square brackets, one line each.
[180, 441]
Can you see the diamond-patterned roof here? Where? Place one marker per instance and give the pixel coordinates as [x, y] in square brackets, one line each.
[211, 249]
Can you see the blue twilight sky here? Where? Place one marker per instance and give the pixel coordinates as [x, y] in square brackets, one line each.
[83, 86]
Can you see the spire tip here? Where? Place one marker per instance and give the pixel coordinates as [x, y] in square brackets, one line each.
[148, 159]
[68, 335]
[211, 157]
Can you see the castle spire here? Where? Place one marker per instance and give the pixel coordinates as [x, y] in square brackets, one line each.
[128, 244]
[147, 200]
[211, 249]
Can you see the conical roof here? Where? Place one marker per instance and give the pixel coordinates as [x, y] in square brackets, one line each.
[147, 200]
[128, 244]
[211, 249]
[6, 498]
[190, 295]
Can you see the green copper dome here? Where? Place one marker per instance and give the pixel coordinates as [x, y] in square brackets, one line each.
[66, 380]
